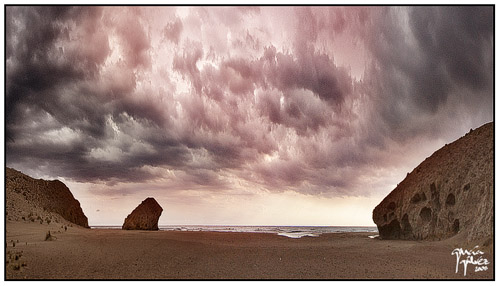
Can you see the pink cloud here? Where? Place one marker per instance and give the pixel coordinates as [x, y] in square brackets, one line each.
[172, 30]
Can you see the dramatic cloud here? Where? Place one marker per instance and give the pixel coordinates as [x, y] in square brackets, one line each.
[437, 56]
[330, 101]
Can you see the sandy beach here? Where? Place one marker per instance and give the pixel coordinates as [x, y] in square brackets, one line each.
[80, 253]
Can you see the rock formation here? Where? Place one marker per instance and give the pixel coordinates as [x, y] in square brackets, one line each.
[145, 216]
[28, 198]
[448, 194]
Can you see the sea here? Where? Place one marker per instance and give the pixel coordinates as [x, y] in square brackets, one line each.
[288, 231]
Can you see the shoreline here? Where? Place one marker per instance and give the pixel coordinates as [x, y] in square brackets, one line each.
[80, 253]
[283, 230]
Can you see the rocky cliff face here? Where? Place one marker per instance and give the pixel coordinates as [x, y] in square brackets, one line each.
[145, 216]
[449, 194]
[28, 198]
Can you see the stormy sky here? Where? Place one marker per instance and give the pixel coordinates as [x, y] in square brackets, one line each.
[241, 115]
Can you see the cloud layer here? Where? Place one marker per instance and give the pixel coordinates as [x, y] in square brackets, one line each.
[317, 101]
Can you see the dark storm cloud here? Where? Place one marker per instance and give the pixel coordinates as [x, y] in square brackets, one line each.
[459, 39]
[422, 68]
[57, 84]
[301, 110]
[29, 36]
[301, 78]
[312, 71]
[43, 75]
[102, 94]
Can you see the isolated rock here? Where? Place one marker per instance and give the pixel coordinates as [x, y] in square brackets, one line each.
[145, 216]
[448, 194]
[29, 198]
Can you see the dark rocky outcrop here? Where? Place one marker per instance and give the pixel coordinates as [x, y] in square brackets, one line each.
[450, 194]
[27, 197]
[145, 216]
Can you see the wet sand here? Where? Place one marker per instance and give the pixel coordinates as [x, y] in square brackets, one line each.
[116, 254]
